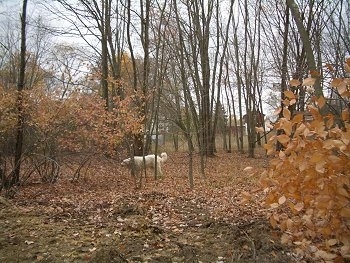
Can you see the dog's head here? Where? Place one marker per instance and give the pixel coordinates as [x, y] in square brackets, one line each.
[164, 156]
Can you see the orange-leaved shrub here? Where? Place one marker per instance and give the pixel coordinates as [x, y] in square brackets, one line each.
[307, 184]
[79, 123]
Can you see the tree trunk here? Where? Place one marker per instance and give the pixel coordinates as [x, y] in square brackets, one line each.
[240, 132]
[306, 42]
[284, 70]
[104, 54]
[20, 87]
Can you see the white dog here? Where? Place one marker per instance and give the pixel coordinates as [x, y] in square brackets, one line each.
[149, 161]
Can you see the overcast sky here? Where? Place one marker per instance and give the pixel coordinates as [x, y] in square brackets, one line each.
[13, 8]
[10, 11]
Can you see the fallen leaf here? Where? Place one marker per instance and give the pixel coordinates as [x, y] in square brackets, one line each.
[299, 206]
[248, 169]
[345, 212]
[332, 242]
[282, 200]
[92, 249]
[325, 255]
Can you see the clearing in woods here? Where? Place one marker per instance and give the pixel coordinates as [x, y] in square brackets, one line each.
[102, 218]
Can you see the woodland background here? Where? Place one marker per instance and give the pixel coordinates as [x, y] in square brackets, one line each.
[83, 80]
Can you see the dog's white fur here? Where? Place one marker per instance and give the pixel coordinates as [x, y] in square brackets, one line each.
[149, 161]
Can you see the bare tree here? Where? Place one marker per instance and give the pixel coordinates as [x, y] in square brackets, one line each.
[20, 86]
[246, 60]
[284, 71]
[68, 67]
[103, 21]
[306, 41]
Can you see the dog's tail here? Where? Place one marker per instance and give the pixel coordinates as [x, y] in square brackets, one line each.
[164, 157]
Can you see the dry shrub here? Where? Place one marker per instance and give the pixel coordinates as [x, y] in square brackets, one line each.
[308, 182]
[78, 123]
[82, 123]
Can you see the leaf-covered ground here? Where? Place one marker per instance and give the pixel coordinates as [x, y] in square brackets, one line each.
[102, 218]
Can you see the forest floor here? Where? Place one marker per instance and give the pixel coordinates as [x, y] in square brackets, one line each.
[102, 217]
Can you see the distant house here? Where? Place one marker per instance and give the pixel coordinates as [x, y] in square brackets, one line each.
[259, 118]
[235, 130]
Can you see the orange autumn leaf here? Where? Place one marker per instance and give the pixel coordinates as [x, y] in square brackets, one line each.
[298, 118]
[283, 138]
[336, 82]
[329, 67]
[315, 73]
[321, 101]
[294, 82]
[309, 82]
[289, 94]
[286, 113]
[345, 212]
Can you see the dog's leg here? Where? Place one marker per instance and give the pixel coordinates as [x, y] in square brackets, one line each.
[134, 174]
[137, 177]
[145, 173]
[159, 170]
[139, 180]
[134, 177]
